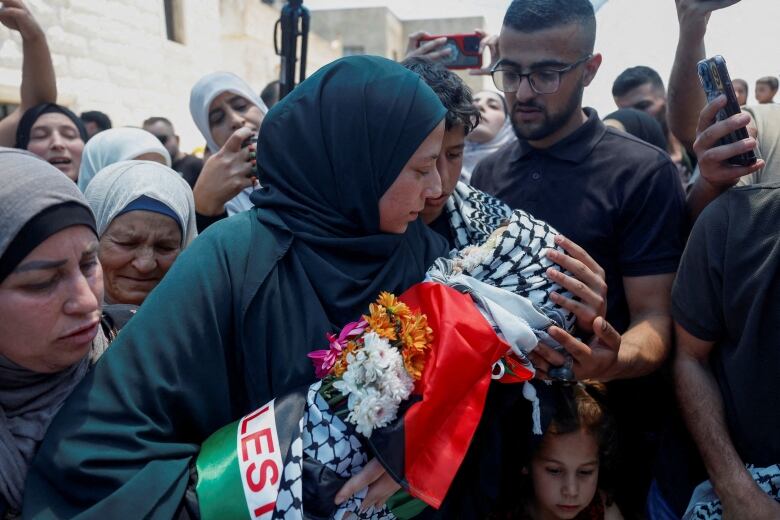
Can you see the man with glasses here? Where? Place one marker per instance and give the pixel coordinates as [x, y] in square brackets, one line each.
[616, 196]
[188, 166]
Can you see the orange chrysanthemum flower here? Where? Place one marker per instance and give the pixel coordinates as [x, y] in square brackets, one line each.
[381, 322]
[414, 362]
[415, 332]
[417, 337]
[341, 363]
[393, 305]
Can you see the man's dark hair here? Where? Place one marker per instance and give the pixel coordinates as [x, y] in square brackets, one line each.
[537, 15]
[99, 118]
[270, 94]
[634, 77]
[157, 119]
[768, 80]
[452, 92]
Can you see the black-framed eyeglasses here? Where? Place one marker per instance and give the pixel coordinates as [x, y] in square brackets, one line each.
[543, 81]
[163, 139]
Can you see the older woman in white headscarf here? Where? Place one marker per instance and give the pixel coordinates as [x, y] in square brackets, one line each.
[493, 132]
[119, 144]
[228, 113]
[145, 217]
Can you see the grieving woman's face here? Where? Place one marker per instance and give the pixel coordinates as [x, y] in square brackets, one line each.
[136, 251]
[419, 180]
[492, 116]
[55, 139]
[229, 112]
[50, 304]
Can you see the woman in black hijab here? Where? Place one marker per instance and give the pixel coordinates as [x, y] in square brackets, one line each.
[639, 124]
[55, 134]
[347, 161]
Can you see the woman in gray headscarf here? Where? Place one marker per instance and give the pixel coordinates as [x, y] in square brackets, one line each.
[51, 290]
[145, 217]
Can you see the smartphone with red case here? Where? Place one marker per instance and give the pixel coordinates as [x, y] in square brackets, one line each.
[464, 50]
[715, 80]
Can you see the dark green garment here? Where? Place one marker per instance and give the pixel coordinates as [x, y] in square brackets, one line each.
[231, 323]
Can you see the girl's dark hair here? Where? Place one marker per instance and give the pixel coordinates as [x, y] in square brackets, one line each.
[583, 407]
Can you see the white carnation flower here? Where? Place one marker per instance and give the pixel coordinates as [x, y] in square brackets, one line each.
[371, 410]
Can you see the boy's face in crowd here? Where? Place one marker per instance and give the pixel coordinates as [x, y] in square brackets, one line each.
[543, 119]
[764, 93]
[449, 165]
[647, 98]
[741, 91]
[565, 474]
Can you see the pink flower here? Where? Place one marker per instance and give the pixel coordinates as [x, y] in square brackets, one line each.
[324, 360]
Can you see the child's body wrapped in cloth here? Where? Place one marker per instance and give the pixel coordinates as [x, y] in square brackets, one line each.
[406, 383]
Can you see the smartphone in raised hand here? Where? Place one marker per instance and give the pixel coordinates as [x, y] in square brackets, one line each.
[715, 80]
[464, 50]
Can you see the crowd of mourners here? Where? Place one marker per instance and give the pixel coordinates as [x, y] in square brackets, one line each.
[149, 297]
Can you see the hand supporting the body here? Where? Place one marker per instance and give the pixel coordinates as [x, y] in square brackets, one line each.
[38, 81]
[717, 174]
[381, 486]
[225, 174]
[587, 285]
[607, 354]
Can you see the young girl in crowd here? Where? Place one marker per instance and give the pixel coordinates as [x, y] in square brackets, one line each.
[564, 478]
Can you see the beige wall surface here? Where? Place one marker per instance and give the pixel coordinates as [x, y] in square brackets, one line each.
[113, 55]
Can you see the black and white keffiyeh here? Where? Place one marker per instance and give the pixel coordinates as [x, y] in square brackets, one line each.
[705, 504]
[474, 215]
[335, 447]
[506, 272]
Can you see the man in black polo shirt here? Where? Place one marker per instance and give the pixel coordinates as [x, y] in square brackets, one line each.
[615, 195]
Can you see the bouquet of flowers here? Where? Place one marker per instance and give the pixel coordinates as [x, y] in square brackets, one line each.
[373, 363]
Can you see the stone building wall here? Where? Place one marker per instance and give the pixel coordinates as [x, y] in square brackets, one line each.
[114, 56]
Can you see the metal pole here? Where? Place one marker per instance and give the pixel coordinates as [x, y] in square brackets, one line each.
[294, 22]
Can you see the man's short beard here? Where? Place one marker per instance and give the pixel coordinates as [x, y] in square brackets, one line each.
[552, 123]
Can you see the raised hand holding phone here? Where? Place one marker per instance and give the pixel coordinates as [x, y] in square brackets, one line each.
[715, 80]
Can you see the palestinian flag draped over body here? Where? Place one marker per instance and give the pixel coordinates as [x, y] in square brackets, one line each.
[422, 449]
[406, 383]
